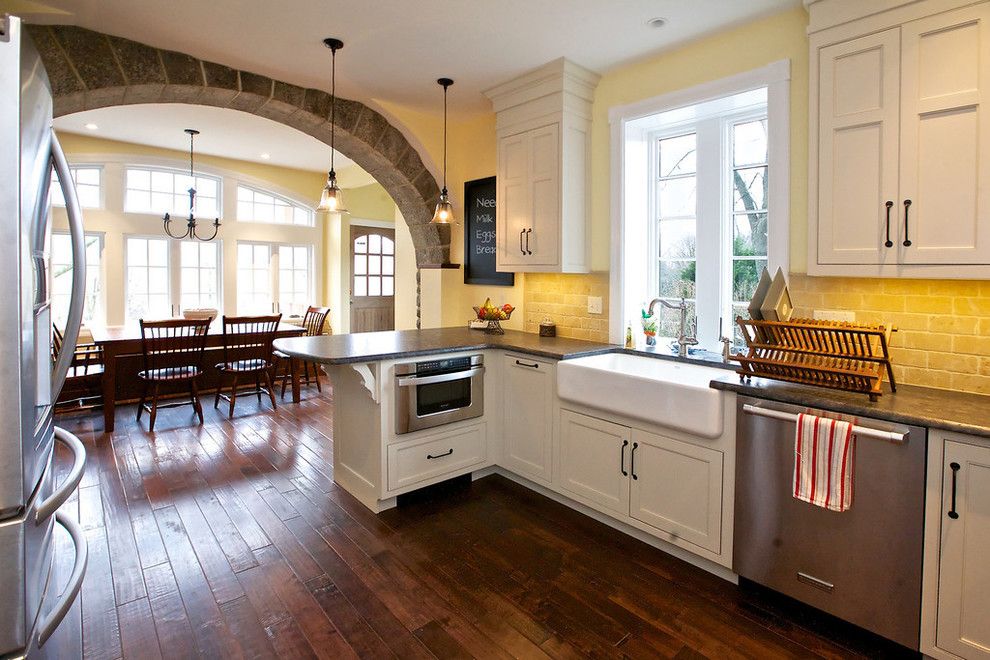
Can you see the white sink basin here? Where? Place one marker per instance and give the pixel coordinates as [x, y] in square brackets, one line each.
[668, 393]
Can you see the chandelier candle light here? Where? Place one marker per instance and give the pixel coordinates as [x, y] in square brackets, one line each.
[331, 198]
[191, 222]
[444, 213]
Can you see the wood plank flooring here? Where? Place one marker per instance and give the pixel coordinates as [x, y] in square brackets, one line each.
[230, 540]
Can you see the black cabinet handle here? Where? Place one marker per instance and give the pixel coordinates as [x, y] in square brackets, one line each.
[528, 232]
[889, 243]
[632, 460]
[622, 458]
[907, 239]
[955, 472]
[521, 248]
[446, 453]
[535, 365]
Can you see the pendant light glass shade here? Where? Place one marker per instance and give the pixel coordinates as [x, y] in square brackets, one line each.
[444, 213]
[332, 199]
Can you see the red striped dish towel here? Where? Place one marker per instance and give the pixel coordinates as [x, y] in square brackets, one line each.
[823, 462]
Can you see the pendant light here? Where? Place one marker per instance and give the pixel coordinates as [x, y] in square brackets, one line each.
[444, 213]
[190, 231]
[331, 199]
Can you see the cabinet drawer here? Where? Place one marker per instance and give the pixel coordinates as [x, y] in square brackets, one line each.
[426, 458]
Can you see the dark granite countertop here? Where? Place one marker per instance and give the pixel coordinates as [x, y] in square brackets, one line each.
[374, 346]
[922, 406]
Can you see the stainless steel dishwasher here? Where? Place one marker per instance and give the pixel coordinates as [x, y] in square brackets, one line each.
[862, 565]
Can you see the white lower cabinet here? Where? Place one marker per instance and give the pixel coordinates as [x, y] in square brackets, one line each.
[592, 457]
[527, 426]
[435, 456]
[963, 597]
[677, 488]
[673, 486]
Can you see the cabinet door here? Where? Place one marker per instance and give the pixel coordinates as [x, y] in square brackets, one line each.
[677, 488]
[857, 149]
[592, 456]
[543, 242]
[513, 195]
[945, 138]
[964, 572]
[527, 426]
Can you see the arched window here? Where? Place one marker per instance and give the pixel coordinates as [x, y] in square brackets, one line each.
[256, 205]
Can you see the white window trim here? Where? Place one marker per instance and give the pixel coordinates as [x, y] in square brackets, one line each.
[172, 169]
[292, 202]
[776, 78]
[103, 184]
[274, 267]
[174, 272]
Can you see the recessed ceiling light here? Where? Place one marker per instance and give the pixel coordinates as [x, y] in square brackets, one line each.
[265, 156]
[91, 127]
[657, 22]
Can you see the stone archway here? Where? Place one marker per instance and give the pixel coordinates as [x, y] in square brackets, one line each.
[91, 70]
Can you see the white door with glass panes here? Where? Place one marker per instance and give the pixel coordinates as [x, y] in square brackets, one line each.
[165, 276]
[708, 236]
[372, 279]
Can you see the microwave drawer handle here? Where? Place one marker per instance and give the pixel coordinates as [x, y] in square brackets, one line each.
[534, 365]
[862, 431]
[407, 381]
[430, 457]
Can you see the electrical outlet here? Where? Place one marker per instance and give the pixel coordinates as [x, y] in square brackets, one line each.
[594, 304]
[835, 315]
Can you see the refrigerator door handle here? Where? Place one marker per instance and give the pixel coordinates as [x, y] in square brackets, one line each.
[77, 301]
[64, 492]
[50, 622]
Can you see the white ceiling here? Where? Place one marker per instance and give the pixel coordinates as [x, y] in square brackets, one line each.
[223, 132]
[396, 49]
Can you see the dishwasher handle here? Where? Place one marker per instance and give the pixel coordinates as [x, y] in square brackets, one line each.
[862, 431]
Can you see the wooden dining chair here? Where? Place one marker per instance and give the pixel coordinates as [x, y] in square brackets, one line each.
[82, 388]
[247, 352]
[173, 355]
[314, 322]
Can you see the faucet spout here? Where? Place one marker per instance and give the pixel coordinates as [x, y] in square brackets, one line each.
[683, 340]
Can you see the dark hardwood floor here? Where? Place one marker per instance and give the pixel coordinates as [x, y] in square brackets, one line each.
[231, 540]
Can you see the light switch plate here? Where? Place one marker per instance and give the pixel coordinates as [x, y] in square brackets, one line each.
[594, 304]
[835, 315]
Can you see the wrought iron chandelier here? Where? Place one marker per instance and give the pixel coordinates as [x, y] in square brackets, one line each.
[190, 231]
[331, 198]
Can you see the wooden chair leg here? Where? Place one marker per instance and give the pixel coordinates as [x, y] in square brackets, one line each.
[144, 396]
[285, 379]
[197, 406]
[271, 389]
[154, 408]
[233, 397]
[316, 375]
[216, 399]
[257, 385]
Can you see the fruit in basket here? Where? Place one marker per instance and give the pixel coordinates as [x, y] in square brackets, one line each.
[490, 312]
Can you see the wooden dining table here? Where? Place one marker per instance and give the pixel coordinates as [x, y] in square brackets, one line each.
[121, 346]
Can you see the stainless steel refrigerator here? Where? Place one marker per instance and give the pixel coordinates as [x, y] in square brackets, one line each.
[34, 596]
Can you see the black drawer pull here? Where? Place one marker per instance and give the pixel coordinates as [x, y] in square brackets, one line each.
[889, 243]
[521, 248]
[446, 453]
[528, 232]
[535, 365]
[632, 460]
[622, 458]
[907, 239]
[955, 473]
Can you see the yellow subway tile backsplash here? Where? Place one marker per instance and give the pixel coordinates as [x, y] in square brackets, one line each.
[564, 299]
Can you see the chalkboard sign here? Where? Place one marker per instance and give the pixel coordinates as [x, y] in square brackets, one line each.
[479, 235]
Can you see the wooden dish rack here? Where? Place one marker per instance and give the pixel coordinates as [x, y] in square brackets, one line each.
[842, 356]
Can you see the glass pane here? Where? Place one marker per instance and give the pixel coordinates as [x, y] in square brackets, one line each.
[388, 265]
[738, 340]
[677, 197]
[89, 196]
[749, 235]
[677, 155]
[301, 283]
[137, 281]
[263, 212]
[677, 279]
[300, 216]
[162, 182]
[375, 244]
[749, 143]
[388, 246]
[244, 252]
[136, 252]
[244, 194]
[284, 256]
[208, 256]
[245, 211]
[162, 202]
[388, 286]
[260, 281]
[87, 175]
[206, 187]
[139, 179]
[189, 253]
[360, 264]
[375, 265]
[206, 208]
[283, 214]
[360, 286]
[374, 286]
[261, 255]
[302, 257]
[158, 280]
[137, 201]
[157, 253]
[677, 239]
[749, 189]
[361, 245]
[669, 324]
[745, 277]
[190, 280]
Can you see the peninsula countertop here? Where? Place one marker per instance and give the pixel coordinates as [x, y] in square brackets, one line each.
[389, 345]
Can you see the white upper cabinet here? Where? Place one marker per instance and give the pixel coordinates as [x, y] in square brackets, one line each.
[543, 122]
[900, 140]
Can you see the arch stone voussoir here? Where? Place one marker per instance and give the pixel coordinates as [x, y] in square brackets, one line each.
[91, 70]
